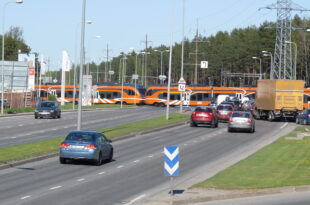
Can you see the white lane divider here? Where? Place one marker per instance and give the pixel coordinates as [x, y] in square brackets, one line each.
[101, 172]
[135, 199]
[136, 161]
[150, 156]
[79, 180]
[25, 197]
[55, 187]
[20, 125]
[121, 166]
[283, 125]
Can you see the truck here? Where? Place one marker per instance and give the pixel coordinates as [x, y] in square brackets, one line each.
[278, 99]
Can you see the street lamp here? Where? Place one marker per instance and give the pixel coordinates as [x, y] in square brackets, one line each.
[82, 56]
[161, 63]
[2, 66]
[290, 42]
[267, 53]
[75, 64]
[260, 66]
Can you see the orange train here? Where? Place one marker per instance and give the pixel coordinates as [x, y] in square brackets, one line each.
[201, 95]
[102, 94]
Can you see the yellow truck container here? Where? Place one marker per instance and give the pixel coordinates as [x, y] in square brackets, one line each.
[279, 98]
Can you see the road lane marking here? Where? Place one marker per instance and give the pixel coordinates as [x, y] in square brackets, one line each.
[55, 187]
[79, 180]
[136, 161]
[21, 125]
[13, 137]
[25, 197]
[121, 166]
[150, 156]
[8, 127]
[283, 125]
[136, 199]
[101, 172]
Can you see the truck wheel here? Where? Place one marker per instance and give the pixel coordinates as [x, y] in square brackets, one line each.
[270, 116]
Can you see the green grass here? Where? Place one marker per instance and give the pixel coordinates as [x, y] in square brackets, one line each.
[282, 163]
[24, 151]
[18, 110]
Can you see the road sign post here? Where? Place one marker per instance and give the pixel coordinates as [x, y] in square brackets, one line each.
[181, 88]
[171, 167]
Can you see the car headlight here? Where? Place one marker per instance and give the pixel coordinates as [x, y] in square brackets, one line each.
[35, 110]
[51, 110]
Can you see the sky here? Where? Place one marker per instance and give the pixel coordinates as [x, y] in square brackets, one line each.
[51, 26]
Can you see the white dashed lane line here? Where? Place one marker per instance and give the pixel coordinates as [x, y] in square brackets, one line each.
[25, 197]
[150, 156]
[136, 161]
[101, 173]
[79, 180]
[121, 166]
[55, 187]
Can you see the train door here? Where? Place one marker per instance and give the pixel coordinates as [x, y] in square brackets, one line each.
[187, 98]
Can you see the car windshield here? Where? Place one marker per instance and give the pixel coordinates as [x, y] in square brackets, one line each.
[200, 109]
[226, 108]
[241, 114]
[47, 104]
[86, 137]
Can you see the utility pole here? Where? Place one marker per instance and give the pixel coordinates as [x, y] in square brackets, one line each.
[196, 53]
[283, 66]
[145, 61]
[106, 65]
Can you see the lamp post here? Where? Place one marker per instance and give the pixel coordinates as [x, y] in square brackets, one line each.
[82, 56]
[161, 63]
[294, 72]
[2, 64]
[260, 66]
[75, 64]
[267, 53]
[123, 68]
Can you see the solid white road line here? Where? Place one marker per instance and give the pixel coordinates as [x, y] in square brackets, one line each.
[101, 172]
[79, 180]
[25, 197]
[136, 199]
[283, 125]
[56, 187]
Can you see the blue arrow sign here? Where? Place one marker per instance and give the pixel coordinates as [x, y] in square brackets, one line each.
[171, 156]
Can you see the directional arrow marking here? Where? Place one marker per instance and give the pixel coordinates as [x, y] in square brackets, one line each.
[171, 156]
[173, 169]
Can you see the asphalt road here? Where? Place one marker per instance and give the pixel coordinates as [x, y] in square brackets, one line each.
[137, 171]
[22, 129]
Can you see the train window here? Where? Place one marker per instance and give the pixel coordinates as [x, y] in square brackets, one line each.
[131, 92]
[194, 97]
[150, 92]
[109, 95]
[199, 96]
[58, 93]
[205, 96]
[43, 93]
[116, 94]
[102, 95]
[70, 94]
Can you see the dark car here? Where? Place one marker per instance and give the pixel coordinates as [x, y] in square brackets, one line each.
[304, 117]
[224, 111]
[204, 115]
[86, 145]
[47, 109]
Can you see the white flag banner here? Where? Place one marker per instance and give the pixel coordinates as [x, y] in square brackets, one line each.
[43, 65]
[66, 63]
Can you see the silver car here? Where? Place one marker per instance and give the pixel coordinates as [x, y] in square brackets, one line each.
[241, 120]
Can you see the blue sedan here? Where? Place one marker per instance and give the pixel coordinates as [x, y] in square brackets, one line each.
[87, 145]
[304, 117]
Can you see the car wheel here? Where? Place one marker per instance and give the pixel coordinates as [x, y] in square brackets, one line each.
[98, 161]
[59, 116]
[229, 129]
[213, 125]
[270, 116]
[35, 117]
[110, 156]
[217, 124]
[62, 160]
[193, 124]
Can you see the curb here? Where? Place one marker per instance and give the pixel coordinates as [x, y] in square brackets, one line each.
[39, 158]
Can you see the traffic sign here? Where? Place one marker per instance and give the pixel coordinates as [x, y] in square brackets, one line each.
[135, 76]
[181, 87]
[182, 81]
[171, 157]
[203, 64]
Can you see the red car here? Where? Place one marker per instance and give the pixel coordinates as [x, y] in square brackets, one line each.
[204, 115]
[224, 112]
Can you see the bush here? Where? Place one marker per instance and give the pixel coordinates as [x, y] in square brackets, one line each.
[51, 97]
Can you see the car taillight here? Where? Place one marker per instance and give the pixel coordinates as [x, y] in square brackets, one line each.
[64, 145]
[230, 120]
[194, 113]
[249, 121]
[90, 146]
